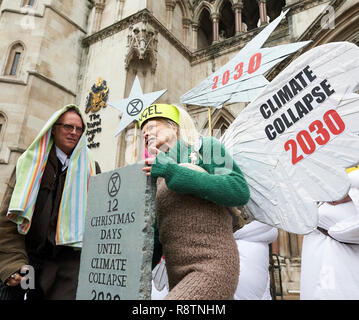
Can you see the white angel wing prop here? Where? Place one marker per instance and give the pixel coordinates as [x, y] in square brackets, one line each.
[159, 276]
[241, 79]
[294, 141]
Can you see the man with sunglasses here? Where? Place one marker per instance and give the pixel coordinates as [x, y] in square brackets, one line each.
[56, 261]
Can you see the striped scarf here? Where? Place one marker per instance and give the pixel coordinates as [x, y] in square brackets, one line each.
[29, 170]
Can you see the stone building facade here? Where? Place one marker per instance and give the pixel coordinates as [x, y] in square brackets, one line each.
[88, 52]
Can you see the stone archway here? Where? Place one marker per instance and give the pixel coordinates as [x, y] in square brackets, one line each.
[226, 21]
[205, 34]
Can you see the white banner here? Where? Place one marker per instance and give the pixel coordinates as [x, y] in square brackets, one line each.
[241, 79]
[295, 140]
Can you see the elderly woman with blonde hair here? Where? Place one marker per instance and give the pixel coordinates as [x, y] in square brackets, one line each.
[197, 180]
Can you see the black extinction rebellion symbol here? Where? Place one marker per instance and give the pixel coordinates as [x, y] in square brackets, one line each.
[114, 184]
[134, 107]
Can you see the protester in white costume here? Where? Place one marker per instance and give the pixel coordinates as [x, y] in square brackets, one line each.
[254, 281]
[330, 263]
[253, 245]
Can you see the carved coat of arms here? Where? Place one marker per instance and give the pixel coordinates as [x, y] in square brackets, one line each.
[97, 97]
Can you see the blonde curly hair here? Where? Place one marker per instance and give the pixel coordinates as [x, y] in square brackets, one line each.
[187, 129]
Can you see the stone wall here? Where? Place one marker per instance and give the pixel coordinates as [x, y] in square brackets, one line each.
[50, 34]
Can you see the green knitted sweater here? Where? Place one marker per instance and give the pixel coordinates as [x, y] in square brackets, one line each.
[223, 183]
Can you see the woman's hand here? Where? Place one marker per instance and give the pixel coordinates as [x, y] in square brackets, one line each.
[147, 167]
[149, 161]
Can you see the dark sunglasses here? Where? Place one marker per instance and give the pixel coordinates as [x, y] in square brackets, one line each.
[70, 127]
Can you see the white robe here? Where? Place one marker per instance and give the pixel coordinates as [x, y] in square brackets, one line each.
[330, 269]
[253, 245]
[254, 281]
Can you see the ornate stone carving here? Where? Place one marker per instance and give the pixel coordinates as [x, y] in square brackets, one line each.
[142, 43]
[130, 21]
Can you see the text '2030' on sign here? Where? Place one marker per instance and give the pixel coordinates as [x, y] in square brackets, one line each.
[253, 66]
[304, 139]
[101, 296]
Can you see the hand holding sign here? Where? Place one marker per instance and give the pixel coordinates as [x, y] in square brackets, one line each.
[294, 141]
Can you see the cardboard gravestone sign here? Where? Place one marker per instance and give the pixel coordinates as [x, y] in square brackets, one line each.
[118, 240]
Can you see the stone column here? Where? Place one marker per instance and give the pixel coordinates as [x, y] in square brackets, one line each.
[238, 7]
[170, 7]
[275, 247]
[262, 12]
[186, 24]
[99, 6]
[284, 245]
[300, 243]
[215, 27]
[194, 36]
[120, 5]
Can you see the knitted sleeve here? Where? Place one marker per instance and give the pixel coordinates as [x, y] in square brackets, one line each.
[223, 183]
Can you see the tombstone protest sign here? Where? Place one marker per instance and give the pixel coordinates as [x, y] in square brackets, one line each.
[242, 78]
[132, 106]
[295, 140]
[117, 247]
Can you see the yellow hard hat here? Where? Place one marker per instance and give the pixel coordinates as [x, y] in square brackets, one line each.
[352, 169]
[167, 111]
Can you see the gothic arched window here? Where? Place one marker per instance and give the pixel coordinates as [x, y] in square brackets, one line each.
[14, 60]
[205, 36]
[2, 127]
[220, 127]
[221, 120]
[250, 14]
[274, 8]
[226, 22]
